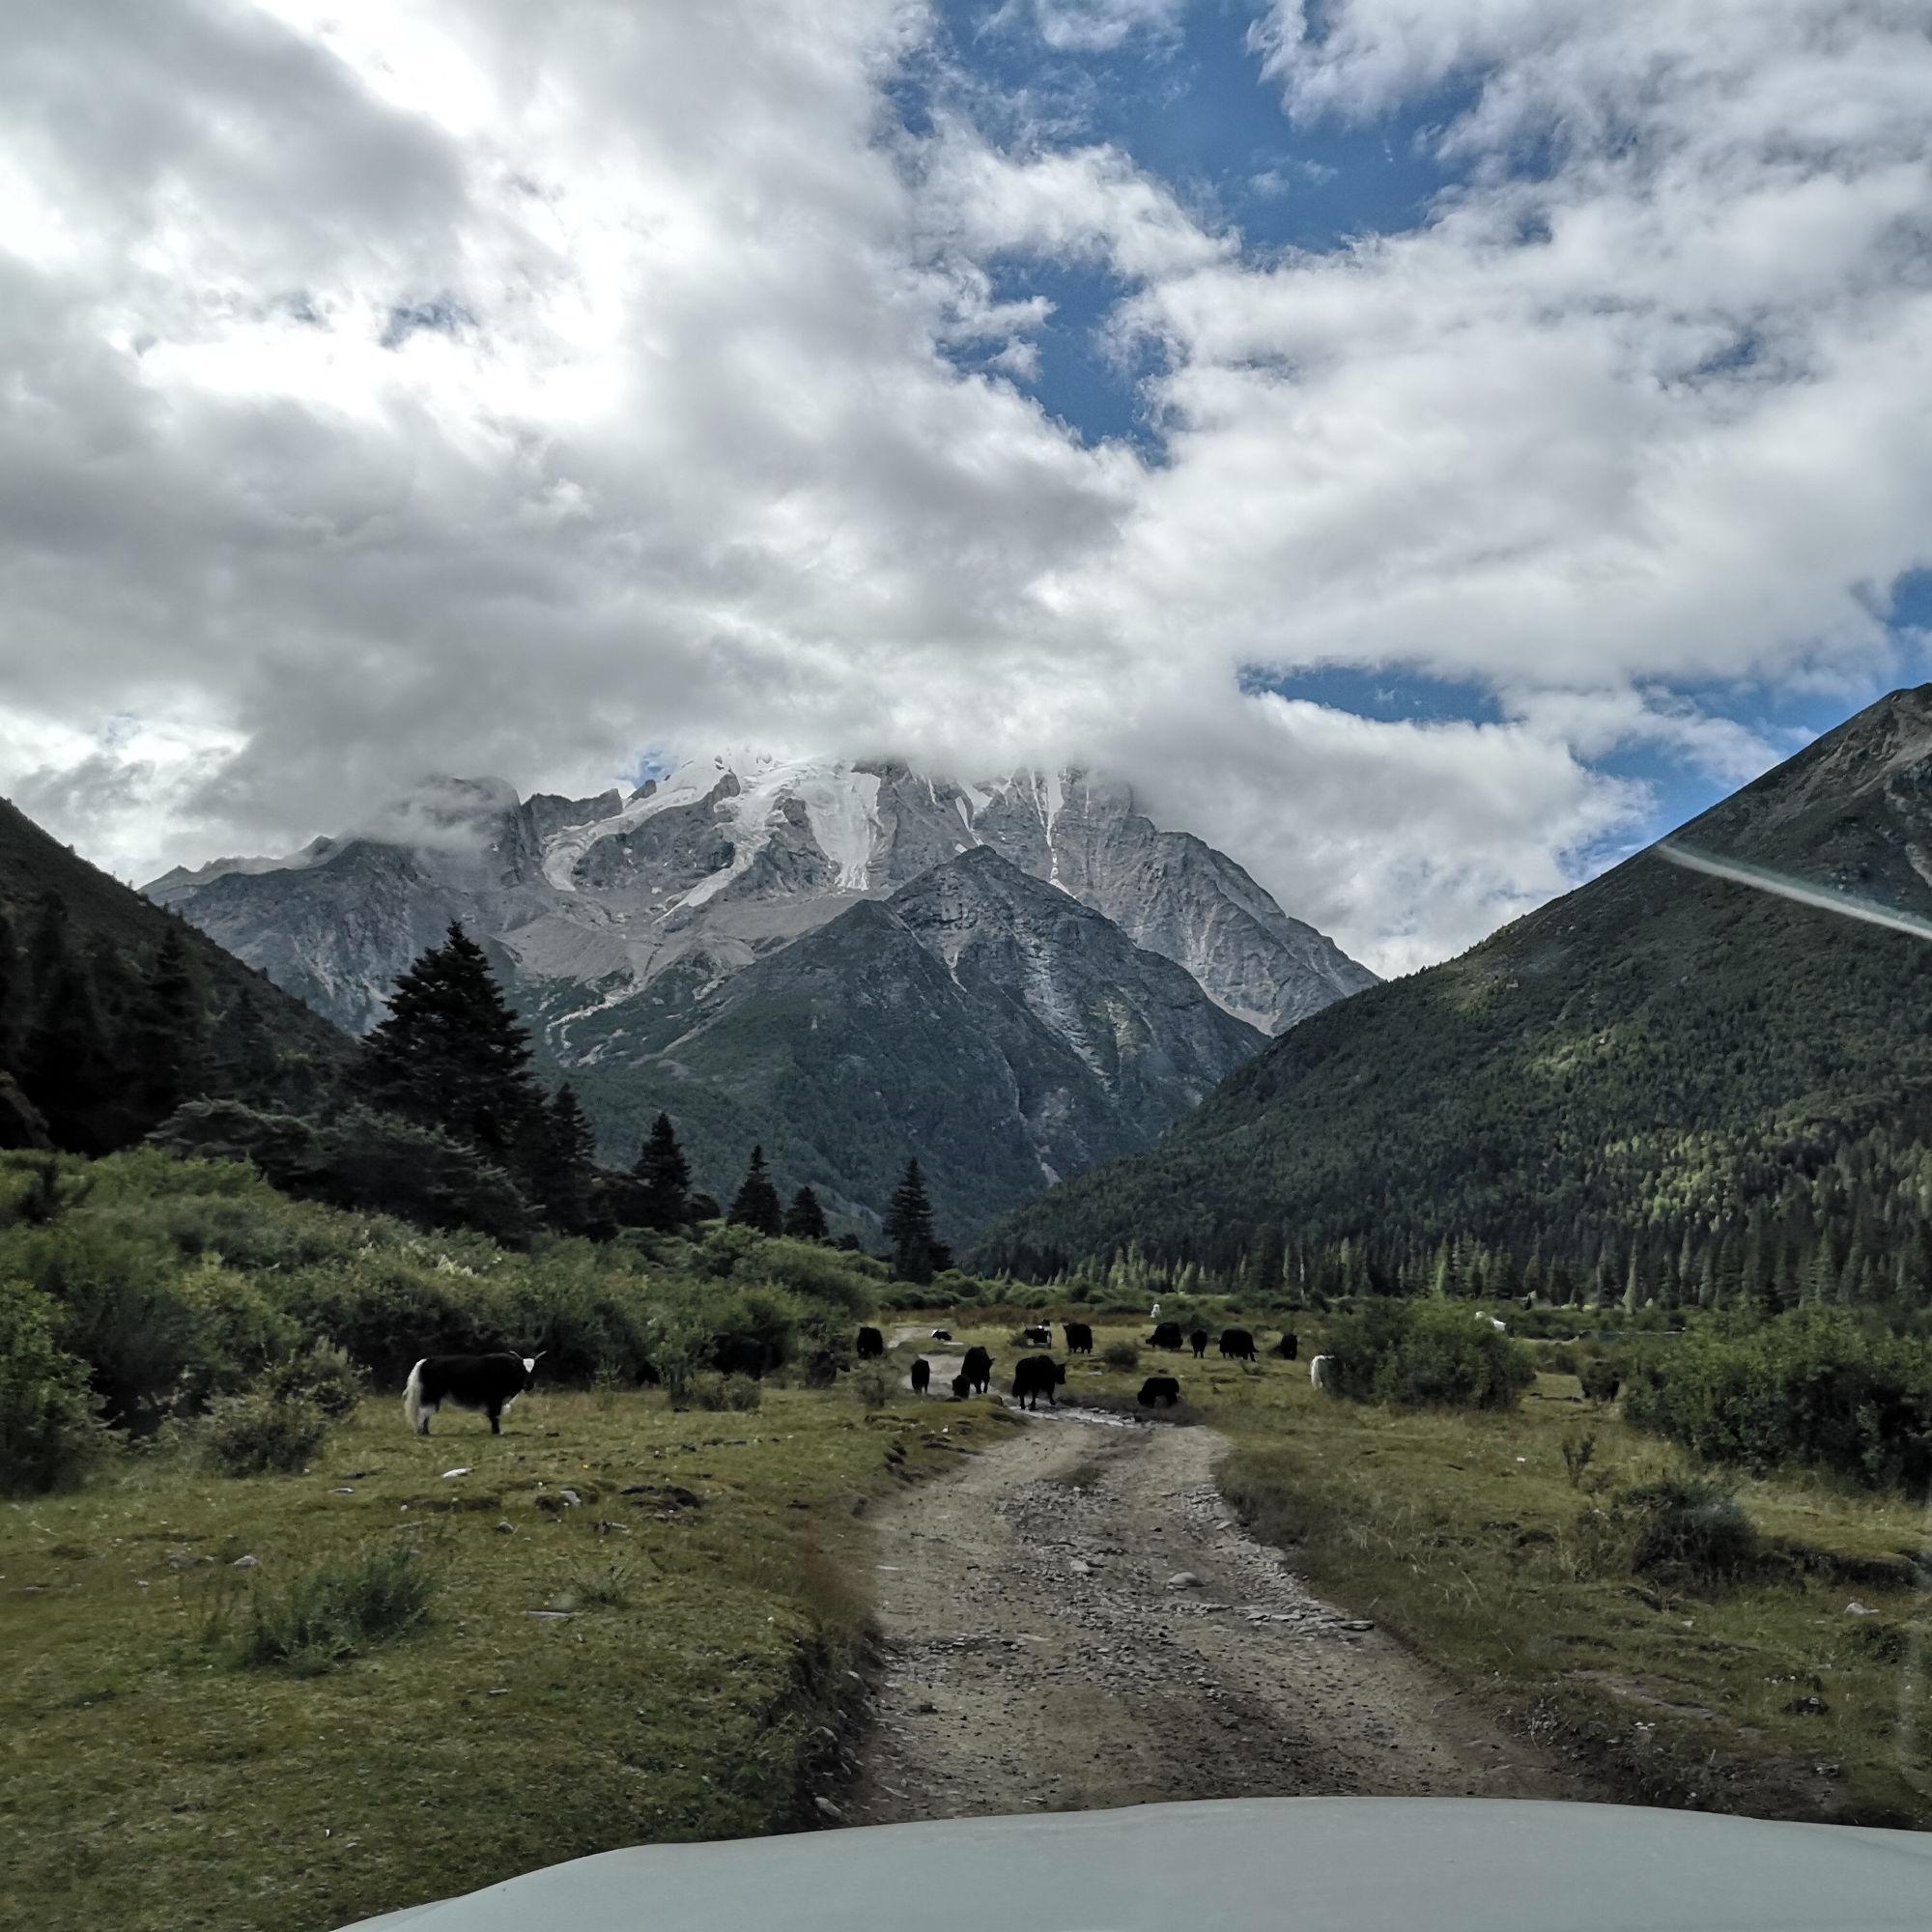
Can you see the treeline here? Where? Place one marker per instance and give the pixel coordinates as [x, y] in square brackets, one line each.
[439, 1117]
[1845, 1237]
[99, 1042]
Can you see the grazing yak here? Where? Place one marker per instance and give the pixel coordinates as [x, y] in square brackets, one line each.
[741, 1354]
[1039, 1338]
[961, 1387]
[1289, 1348]
[1237, 1345]
[1317, 1373]
[1035, 1375]
[978, 1369]
[489, 1383]
[922, 1376]
[1159, 1388]
[1079, 1338]
[869, 1346]
[1167, 1335]
[1198, 1342]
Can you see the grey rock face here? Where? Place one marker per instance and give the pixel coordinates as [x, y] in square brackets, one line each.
[978, 1017]
[589, 900]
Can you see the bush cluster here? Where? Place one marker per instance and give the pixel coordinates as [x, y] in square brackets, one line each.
[1813, 1387]
[169, 1288]
[49, 1432]
[1426, 1354]
[1686, 1533]
[258, 1434]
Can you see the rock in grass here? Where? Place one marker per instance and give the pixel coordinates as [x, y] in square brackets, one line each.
[1184, 1580]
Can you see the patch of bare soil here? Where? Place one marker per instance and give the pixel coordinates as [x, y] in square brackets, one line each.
[1077, 1620]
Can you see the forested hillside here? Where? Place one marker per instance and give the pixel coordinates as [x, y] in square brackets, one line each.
[1666, 1084]
[113, 1011]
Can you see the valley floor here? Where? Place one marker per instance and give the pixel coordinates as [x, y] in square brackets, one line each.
[1043, 1652]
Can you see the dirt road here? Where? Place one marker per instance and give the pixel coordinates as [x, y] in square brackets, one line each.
[1077, 1620]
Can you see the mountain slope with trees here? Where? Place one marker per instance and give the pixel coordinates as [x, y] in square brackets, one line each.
[1666, 1084]
[980, 1020]
[113, 1011]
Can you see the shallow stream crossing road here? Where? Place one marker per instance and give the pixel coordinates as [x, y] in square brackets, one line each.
[1076, 1619]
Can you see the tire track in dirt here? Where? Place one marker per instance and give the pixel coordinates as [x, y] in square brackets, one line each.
[1041, 1654]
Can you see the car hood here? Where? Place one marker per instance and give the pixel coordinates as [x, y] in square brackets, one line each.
[1319, 1864]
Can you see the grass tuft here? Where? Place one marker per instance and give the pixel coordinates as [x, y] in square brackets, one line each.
[336, 1610]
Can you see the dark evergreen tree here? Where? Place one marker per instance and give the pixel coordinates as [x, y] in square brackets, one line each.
[757, 1202]
[249, 1067]
[13, 996]
[452, 1055]
[664, 1195]
[703, 1207]
[908, 1227]
[805, 1218]
[565, 1159]
[161, 1041]
[66, 1067]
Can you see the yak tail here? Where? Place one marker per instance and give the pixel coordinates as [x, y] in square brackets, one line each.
[412, 1391]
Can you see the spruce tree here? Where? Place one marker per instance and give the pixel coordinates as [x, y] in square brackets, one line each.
[565, 1160]
[805, 1218]
[665, 1201]
[452, 1055]
[161, 1042]
[66, 1065]
[13, 996]
[756, 1205]
[908, 1227]
[249, 1067]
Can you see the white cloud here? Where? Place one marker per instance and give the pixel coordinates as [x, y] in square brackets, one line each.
[700, 464]
[1093, 26]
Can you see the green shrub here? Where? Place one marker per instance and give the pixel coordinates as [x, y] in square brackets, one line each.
[358, 1159]
[322, 1373]
[742, 1393]
[337, 1610]
[49, 1433]
[258, 1434]
[1122, 1354]
[1689, 1531]
[1426, 1354]
[1811, 1387]
[1601, 1379]
[820, 1275]
[1579, 1449]
[871, 1389]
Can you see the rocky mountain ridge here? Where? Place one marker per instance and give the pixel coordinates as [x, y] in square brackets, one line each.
[719, 862]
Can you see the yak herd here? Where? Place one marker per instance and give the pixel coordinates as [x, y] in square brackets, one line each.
[1037, 1376]
[489, 1383]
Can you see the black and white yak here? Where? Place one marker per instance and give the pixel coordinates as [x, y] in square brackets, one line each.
[489, 1383]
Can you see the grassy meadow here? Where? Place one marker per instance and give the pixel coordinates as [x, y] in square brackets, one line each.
[1461, 1533]
[704, 1610]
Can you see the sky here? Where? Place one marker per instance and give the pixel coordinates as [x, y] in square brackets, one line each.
[1430, 447]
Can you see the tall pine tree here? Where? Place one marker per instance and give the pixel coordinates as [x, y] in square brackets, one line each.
[565, 1160]
[805, 1218]
[161, 1041]
[665, 1175]
[908, 1227]
[756, 1205]
[66, 1067]
[14, 991]
[452, 1055]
